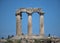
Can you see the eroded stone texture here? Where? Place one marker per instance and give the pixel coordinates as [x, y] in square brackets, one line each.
[41, 25]
[18, 25]
[29, 11]
[30, 24]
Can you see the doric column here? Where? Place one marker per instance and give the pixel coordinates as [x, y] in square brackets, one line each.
[18, 24]
[29, 24]
[41, 24]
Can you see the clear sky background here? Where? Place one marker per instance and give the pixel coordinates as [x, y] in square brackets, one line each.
[8, 19]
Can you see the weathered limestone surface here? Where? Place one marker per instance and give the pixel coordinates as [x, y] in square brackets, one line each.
[29, 24]
[29, 11]
[18, 25]
[41, 24]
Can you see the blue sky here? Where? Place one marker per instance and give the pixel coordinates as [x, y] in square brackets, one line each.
[8, 19]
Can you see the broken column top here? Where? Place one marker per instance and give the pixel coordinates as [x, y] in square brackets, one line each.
[29, 10]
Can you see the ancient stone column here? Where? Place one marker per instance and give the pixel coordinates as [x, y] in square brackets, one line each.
[41, 24]
[18, 24]
[29, 24]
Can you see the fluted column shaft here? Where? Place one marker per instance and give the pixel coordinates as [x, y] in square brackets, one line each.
[18, 25]
[41, 24]
[29, 24]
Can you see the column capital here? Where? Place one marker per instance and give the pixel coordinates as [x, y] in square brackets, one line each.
[20, 14]
[41, 13]
[17, 14]
[29, 14]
